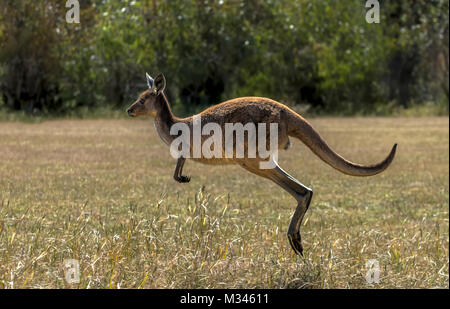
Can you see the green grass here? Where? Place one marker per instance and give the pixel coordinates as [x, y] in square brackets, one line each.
[101, 191]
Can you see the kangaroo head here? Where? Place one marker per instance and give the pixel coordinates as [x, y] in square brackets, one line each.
[146, 104]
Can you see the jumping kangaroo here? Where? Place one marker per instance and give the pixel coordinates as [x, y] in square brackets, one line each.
[245, 110]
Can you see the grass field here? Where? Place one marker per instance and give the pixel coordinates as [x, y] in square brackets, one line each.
[101, 192]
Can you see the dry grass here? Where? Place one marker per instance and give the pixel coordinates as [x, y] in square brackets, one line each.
[101, 191]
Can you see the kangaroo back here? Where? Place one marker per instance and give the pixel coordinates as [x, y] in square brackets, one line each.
[300, 128]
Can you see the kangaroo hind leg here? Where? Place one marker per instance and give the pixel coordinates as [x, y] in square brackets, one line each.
[300, 192]
[303, 195]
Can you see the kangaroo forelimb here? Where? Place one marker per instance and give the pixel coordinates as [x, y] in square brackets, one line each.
[179, 171]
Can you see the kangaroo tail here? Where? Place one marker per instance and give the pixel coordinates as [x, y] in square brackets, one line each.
[300, 128]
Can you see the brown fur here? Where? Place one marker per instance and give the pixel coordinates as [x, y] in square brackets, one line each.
[255, 110]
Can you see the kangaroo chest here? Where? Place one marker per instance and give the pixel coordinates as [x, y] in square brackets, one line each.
[162, 132]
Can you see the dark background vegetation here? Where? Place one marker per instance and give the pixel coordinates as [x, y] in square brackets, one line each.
[319, 54]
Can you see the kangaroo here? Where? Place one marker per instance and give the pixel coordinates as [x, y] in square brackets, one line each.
[153, 102]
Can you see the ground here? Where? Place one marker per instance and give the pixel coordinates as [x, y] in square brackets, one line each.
[102, 192]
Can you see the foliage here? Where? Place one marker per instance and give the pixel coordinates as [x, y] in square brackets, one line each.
[321, 53]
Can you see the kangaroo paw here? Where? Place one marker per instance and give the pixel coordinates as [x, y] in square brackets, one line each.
[296, 243]
[183, 179]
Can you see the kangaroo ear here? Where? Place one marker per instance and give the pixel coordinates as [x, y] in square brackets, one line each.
[150, 81]
[160, 83]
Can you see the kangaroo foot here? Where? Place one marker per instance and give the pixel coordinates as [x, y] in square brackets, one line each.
[183, 179]
[296, 243]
